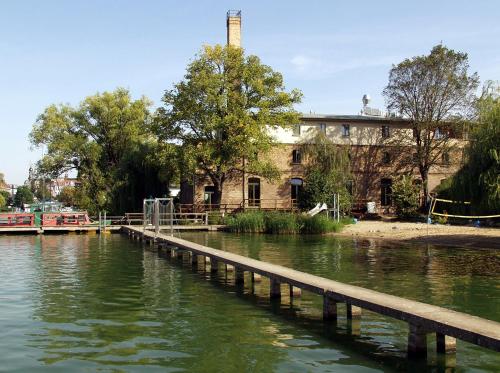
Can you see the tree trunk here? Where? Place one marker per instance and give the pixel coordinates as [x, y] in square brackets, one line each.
[217, 196]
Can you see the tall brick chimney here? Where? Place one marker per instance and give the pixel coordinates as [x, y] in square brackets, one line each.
[234, 28]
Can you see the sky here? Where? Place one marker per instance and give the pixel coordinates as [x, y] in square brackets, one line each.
[56, 51]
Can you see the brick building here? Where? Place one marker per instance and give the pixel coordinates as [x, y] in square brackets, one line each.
[375, 160]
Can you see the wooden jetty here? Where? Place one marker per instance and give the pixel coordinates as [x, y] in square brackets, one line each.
[422, 318]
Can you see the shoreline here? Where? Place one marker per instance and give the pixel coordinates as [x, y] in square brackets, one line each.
[421, 233]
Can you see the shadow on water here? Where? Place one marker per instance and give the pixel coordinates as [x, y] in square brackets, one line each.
[344, 334]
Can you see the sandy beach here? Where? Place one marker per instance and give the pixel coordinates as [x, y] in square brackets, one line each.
[424, 233]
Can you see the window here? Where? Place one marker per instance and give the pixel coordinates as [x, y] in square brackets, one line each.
[296, 156]
[346, 130]
[207, 196]
[445, 158]
[322, 127]
[296, 190]
[385, 192]
[254, 191]
[385, 132]
[296, 130]
[386, 158]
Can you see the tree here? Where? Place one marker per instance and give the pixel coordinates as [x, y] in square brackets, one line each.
[435, 93]
[221, 114]
[67, 196]
[478, 181]
[405, 196]
[23, 196]
[3, 201]
[103, 139]
[328, 172]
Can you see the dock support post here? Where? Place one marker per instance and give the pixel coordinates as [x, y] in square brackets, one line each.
[194, 259]
[275, 289]
[417, 341]
[239, 276]
[329, 307]
[295, 291]
[229, 268]
[256, 277]
[180, 254]
[445, 344]
[214, 265]
[353, 312]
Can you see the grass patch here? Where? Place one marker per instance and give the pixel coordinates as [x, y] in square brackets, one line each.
[275, 222]
[247, 222]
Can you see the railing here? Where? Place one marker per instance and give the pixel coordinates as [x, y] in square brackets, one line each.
[64, 219]
[270, 204]
[21, 219]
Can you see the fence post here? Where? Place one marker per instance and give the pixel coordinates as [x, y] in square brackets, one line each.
[206, 218]
[171, 204]
[99, 222]
[338, 207]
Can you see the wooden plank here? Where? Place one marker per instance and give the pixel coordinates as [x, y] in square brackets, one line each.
[473, 329]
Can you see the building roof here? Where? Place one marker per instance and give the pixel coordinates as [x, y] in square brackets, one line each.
[353, 118]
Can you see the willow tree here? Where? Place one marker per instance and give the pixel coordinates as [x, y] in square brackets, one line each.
[108, 142]
[435, 93]
[222, 112]
[327, 173]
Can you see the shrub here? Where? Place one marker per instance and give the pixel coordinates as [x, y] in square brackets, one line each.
[405, 196]
[319, 224]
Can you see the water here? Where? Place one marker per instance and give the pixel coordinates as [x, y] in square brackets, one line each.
[87, 303]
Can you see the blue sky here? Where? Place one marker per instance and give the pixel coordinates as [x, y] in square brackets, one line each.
[334, 51]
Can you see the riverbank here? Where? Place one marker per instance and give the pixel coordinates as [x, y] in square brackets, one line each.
[423, 233]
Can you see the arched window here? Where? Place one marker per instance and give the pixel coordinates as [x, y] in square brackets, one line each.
[296, 156]
[296, 189]
[253, 191]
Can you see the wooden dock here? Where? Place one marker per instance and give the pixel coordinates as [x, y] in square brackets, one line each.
[95, 228]
[422, 318]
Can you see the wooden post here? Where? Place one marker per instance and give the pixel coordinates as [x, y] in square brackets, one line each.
[239, 276]
[294, 291]
[194, 259]
[275, 289]
[214, 265]
[329, 308]
[256, 277]
[417, 341]
[352, 311]
[445, 344]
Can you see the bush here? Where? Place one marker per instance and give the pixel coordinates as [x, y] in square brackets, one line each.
[281, 223]
[405, 196]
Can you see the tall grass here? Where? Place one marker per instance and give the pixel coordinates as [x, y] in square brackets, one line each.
[281, 223]
[247, 222]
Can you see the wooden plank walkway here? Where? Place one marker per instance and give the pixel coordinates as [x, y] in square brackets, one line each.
[422, 318]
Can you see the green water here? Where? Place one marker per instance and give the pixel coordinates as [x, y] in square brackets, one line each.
[89, 303]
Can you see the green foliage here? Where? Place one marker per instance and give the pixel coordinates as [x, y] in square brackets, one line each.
[281, 223]
[247, 222]
[318, 224]
[23, 196]
[405, 196]
[3, 201]
[221, 113]
[107, 139]
[436, 93]
[67, 196]
[328, 172]
[478, 180]
[275, 222]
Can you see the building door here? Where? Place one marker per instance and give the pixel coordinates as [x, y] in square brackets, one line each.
[207, 196]
[385, 192]
[254, 191]
[296, 190]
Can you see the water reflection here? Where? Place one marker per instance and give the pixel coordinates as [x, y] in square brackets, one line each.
[84, 302]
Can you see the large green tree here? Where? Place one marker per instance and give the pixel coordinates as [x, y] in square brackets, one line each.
[221, 114]
[23, 196]
[107, 140]
[435, 92]
[478, 180]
